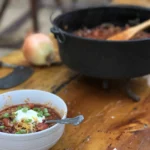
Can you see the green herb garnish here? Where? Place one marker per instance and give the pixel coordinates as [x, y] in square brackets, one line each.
[2, 127]
[46, 114]
[19, 107]
[6, 115]
[22, 131]
[40, 114]
[45, 110]
[28, 120]
[25, 109]
[14, 121]
[37, 109]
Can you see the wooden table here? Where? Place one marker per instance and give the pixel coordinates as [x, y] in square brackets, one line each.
[112, 120]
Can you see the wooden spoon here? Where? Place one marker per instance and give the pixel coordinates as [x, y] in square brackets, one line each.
[129, 33]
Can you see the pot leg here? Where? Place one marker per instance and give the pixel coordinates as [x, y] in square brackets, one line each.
[130, 93]
[105, 84]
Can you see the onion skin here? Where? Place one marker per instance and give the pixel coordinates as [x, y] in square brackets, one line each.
[56, 48]
[38, 49]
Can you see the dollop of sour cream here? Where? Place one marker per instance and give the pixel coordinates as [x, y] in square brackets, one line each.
[29, 114]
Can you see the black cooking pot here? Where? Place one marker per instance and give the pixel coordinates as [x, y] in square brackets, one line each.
[100, 58]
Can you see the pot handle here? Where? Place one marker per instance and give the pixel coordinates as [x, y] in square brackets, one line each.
[56, 31]
[58, 34]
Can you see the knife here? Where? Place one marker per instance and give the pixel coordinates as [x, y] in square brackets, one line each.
[16, 77]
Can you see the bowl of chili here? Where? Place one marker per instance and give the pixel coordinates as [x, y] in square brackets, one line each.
[22, 120]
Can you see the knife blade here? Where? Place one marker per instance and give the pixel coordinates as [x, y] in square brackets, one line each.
[16, 77]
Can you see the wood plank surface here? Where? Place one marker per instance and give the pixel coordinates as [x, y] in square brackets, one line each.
[44, 78]
[145, 3]
[112, 120]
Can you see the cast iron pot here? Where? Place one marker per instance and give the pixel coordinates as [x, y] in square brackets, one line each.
[100, 58]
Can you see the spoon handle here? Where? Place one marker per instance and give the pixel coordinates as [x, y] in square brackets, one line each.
[129, 33]
[75, 121]
[142, 26]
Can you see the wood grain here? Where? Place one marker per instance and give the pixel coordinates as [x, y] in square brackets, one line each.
[44, 78]
[145, 3]
[112, 120]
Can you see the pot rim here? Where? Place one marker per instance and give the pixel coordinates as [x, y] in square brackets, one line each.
[98, 7]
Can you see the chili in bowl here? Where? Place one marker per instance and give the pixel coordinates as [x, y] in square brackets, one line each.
[26, 118]
[23, 119]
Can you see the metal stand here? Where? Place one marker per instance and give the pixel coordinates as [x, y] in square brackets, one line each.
[131, 94]
[105, 84]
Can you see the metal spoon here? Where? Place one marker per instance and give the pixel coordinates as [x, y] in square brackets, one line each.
[74, 121]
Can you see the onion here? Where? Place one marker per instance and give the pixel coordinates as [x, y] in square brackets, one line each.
[39, 49]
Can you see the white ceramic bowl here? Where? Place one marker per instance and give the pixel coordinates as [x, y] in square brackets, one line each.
[42, 140]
